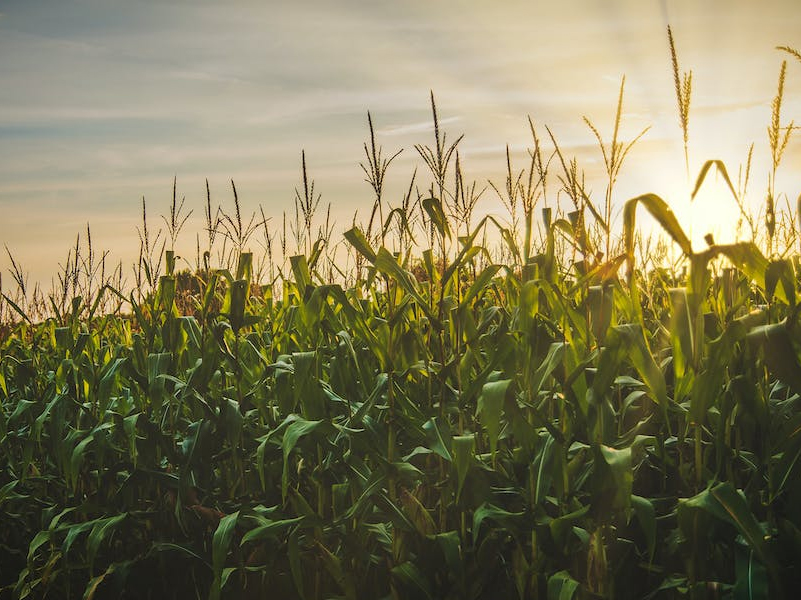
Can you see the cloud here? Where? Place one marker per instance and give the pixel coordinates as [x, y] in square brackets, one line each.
[408, 128]
[101, 104]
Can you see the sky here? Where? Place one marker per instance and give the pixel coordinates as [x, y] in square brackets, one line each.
[103, 103]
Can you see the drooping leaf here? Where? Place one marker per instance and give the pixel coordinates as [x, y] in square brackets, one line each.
[502, 518]
[725, 503]
[721, 167]
[359, 241]
[269, 529]
[293, 433]
[102, 529]
[663, 215]
[412, 581]
[433, 208]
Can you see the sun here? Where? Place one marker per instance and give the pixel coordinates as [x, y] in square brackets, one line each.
[712, 212]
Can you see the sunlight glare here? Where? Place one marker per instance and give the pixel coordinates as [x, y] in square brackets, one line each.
[714, 211]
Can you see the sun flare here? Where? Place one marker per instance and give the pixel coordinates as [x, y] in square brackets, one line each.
[714, 212]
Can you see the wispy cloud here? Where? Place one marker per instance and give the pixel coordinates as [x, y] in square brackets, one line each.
[100, 103]
[418, 127]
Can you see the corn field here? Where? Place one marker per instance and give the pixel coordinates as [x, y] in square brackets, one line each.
[415, 411]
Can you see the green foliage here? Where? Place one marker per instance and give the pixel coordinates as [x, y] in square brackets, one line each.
[427, 440]
[458, 423]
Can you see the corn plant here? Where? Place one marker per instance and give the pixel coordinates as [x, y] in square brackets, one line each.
[545, 420]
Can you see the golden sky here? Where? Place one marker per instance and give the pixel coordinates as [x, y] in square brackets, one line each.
[103, 102]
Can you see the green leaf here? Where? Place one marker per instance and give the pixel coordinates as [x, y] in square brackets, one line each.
[463, 451]
[479, 285]
[129, 427]
[226, 574]
[16, 308]
[661, 212]
[489, 407]
[260, 461]
[646, 516]
[108, 380]
[705, 170]
[433, 208]
[306, 387]
[435, 441]
[232, 418]
[102, 529]
[20, 409]
[220, 543]
[736, 511]
[343, 578]
[73, 531]
[296, 430]
[600, 300]
[725, 503]
[747, 257]
[157, 365]
[552, 360]
[300, 269]
[166, 293]
[94, 583]
[38, 540]
[505, 519]
[268, 529]
[561, 586]
[6, 490]
[468, 250]
[544, 470]
[780, 355]
[77, 458]
[780, 271]
[193, 333]
[244, 266]
[613, 479]
[628, 342]
[563, 527]
[751, 577]
[387, 264]
[359, 241]
[412, 581]
[451, 547]
[295, 564]
[236, 302]
[681, 331]
[417, 513]
[160, 547]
